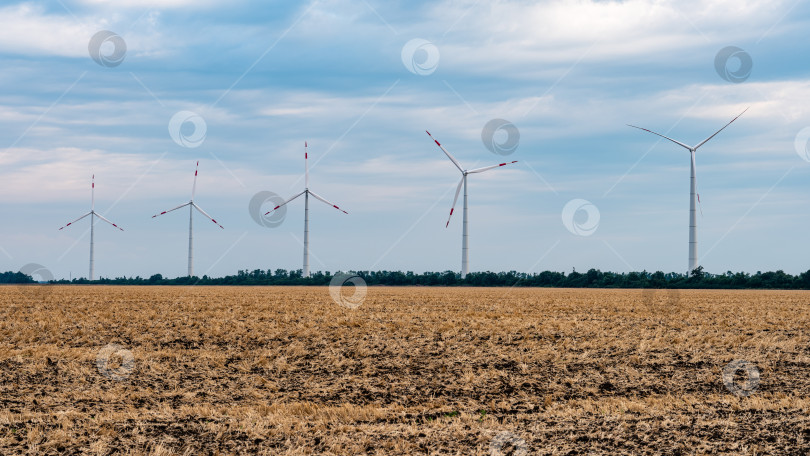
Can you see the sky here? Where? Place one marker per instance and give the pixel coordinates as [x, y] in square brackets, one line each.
[136, 92]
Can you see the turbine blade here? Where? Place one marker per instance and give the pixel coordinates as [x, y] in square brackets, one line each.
[455, 199]
[71, 223]
[487, 168]
[659, 134]
[93, 192]
[111, 223]
[285, 202]
[173, 209]
[327, 202]
[194, 187]
[718, 131]
[306, 166]
[205, 214]
[455, 162]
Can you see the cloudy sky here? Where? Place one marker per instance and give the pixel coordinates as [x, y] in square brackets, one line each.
[248, 82]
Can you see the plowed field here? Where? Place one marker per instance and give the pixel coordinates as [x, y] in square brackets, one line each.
[468, 371]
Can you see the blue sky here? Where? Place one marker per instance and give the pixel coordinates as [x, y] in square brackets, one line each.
[266, 76]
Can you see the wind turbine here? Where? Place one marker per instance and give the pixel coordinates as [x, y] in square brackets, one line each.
[92, 214]
[694, 197]
[306, 194]
[465, 267]
[191, 206]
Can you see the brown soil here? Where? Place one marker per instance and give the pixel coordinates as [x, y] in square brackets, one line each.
[462, 371]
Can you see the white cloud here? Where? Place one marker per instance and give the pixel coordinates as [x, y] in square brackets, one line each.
[159, 4]
[515, 39]
[25, 29]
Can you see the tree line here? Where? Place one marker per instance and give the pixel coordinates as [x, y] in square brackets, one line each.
[594, 278]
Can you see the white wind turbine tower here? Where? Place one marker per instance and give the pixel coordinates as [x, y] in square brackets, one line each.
[92, 215]
[191, 206]
[465, 267]
[694, 197]
[306, 194]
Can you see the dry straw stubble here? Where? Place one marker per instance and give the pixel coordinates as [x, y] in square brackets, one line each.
[285, 370]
